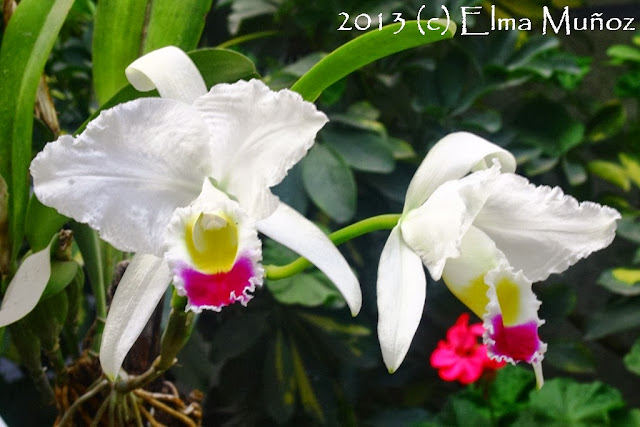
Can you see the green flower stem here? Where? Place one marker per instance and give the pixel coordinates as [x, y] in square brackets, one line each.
[380, 222]
[246, 38]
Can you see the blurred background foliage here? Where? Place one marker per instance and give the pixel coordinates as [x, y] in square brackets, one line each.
[566, 106]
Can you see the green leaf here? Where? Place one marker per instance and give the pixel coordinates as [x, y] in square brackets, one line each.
[607, 121]
[610, 172]
[401, 150]
[365, 49]
[613, 318]
[365, 151]
[126, 29]
[329, 183]
[623, 52]
[623, 281]
[572, 357]
[509, 387]
[541, 165]
[41, 223]
[177, 23]
[571, 403]
[237, 335]
[534, 47]
[632, 359]
[576, 173]
[548, 125]
[62, 274]
[117, 42]
[629, 229]
[307, 289]
[329, 325]
[279, 381]
[308, 396]
[488, 121]
[632, 167]
[26, 43]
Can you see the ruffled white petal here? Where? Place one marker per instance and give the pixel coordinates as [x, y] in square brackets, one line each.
[257, 136]
[401, 295]
[541, 230]
[464, 275]
[451, 158]
[249, 249]
[171, 71]
[296, 232]
[26, 287]
[140, 289]
[435, 229]
[128, 171]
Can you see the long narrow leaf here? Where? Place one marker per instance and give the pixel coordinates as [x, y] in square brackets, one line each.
[178, 23]
[26, 44]
[117, 39]
[367, 48]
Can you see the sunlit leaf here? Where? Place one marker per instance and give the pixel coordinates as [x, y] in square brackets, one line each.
[610, 172]
[26, 44]
[623, 281]
[279, 380]
[606, 122]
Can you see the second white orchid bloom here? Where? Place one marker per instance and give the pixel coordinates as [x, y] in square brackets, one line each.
[183, 181]
[489, 234]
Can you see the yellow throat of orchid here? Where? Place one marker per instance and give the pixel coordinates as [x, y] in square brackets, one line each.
[212, 242]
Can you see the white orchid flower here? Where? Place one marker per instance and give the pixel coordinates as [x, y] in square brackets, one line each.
[489, 234]
[184, 181]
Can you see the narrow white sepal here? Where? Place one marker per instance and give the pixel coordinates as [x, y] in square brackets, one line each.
[401, 295]
[2, 423]
[296, 232]
[138, 293]
[26, 287]
[171, 71]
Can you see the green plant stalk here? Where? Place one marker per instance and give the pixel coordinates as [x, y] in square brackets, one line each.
[380, 222]
[247, 37]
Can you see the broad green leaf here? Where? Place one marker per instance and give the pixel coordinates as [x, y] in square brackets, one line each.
[365, 151]
[26, 43]
[629, 229]
[41, 224]
[487, 120]
[572, 403]
[237, 335]
[623, 52]
[548, 125]
[401, 150]
[127, 29]
[613, 318]
[541, 165]
[632, 359]
[117, 42]
[177, 23]
[610, 172]
[279, 382]
[509, 388]
[572, 357]
[606, 122]
[623, 281]
[534, 47]
[307, 289]
[62, 274]
[365, 49]
[329, 183]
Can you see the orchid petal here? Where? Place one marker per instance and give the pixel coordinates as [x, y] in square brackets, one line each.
[124, 175]
[293, 230]
[511, 321]
[258, 135]
[213, 250]
[541, 230]
[464, 274]
[171, 71]
[401, 298]
[451, 158]
[435, 229]
[26, 287]
[139, 291]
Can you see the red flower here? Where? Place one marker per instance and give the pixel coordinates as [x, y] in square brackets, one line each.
[461, 357]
